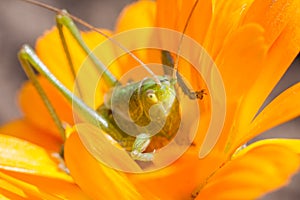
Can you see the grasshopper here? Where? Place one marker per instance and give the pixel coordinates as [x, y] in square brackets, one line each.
[144, 94]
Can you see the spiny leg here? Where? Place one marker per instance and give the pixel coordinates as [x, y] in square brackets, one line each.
[30, 61]
[140, 144]
[27, 66]
[167, 60]
[142, 141]
[63, 20]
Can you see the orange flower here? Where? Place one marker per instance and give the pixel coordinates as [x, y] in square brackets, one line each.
[252, 43]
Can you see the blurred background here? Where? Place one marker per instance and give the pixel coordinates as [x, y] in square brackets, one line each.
[23, 23]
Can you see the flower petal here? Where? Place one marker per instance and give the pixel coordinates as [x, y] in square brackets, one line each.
[37, 187]
[10, 191]
[30, 191]
[226, 17]
[97, 180]
[239, 59]
[272, 15]
[238, 71]
[292, 144]
[21, 156]
[25, 130]
[244, 178]
[167, 13]
[145, 10]
[29, 98]
[282, 109]
[177, 181]
[50, 50]
[58, 188]
[127, 20]
[280, 55]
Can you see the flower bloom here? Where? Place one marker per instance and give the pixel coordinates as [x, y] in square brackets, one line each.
[251, 41]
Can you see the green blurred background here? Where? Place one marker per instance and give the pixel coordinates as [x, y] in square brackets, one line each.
[22, 23]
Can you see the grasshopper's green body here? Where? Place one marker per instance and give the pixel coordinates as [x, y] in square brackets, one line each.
[142, 96]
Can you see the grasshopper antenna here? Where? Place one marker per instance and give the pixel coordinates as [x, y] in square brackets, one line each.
[181, 39]
[82, 22]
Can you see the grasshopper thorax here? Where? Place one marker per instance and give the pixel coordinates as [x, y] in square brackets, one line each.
[144, 107]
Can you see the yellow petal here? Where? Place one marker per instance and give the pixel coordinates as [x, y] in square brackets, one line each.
[31, 191]
[25, 130]
[37, 187]
[59, 188]
[261, 169]
[21, 156]
[11, 191]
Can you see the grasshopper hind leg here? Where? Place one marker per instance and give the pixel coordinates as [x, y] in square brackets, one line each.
[28, 62]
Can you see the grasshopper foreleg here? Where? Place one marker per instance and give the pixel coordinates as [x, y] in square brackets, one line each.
[167, 60]
[140, 144]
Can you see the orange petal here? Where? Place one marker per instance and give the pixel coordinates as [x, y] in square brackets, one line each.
[292, 144]
[97, 180]
[272, 15]
[200, 21]
[226, 18]
[163, 184]
[51, 52]
[145, 10]
[238, 71]
[239, 59]
[282, 109]
[167, 13]
[280, 55]
[260, 170]
[21, 156]
[178, 180]
[25, 130]
[35, 110]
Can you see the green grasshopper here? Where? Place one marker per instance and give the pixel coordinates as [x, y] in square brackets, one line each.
[154, 90]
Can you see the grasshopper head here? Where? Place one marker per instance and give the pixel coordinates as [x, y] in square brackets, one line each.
[163, 95]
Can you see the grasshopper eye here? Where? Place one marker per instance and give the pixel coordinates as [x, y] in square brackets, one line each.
[152, 96]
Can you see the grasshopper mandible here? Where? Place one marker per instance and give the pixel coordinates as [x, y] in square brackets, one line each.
[146, 93]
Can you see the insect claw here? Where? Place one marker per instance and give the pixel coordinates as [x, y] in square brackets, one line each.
[200, 94]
